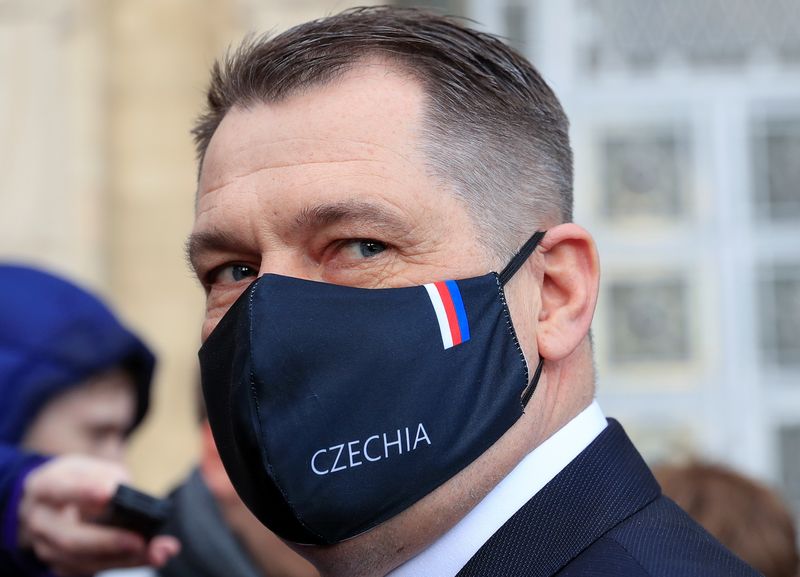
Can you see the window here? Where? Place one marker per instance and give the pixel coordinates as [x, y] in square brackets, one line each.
[779, 300]
[648, 320]
[645, 174]
[776, 159]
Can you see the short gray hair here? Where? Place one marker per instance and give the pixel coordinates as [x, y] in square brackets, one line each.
[492, 128]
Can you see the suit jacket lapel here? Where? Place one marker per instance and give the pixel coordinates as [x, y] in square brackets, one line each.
[607, 483]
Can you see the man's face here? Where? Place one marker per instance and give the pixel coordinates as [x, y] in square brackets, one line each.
[92, 418]
[329, 185]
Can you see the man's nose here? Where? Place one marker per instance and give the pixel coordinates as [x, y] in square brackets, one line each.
[290, 262]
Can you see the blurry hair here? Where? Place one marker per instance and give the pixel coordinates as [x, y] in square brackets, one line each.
[492, 128]
[748, 518]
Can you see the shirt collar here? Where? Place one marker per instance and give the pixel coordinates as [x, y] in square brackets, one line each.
[448, 554]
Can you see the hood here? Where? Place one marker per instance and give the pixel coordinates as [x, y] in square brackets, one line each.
[53, 336]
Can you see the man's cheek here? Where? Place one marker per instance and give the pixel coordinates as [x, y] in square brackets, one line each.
[217, 304]
[210, 323]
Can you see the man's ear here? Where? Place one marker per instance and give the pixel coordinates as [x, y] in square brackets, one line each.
[570, 284]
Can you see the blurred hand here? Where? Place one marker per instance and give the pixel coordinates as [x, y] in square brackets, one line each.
[59, 500]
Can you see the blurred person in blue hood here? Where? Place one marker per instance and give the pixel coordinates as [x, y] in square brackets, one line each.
[72, 378]
[74, 383]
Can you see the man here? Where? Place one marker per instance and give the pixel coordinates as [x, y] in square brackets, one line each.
[74, 383]
[378, 397]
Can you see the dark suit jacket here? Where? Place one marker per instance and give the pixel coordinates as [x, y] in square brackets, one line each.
[603, 516]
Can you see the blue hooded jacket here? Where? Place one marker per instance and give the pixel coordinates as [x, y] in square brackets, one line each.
[53, 336]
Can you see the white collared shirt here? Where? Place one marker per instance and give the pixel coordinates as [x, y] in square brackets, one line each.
[448, 554]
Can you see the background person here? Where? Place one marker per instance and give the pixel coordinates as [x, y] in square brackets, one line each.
[74, 383]
[747, 517]
[219, 536]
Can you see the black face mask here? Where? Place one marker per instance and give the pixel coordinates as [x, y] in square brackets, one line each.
[335, 408]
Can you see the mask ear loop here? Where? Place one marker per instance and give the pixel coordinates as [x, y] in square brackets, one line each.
[505, 275]
[519, 259]
[528, 392]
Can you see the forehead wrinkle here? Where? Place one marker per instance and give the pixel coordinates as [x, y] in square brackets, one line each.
[295, 144]
[335, 147]
[336, 142]
[293, 165]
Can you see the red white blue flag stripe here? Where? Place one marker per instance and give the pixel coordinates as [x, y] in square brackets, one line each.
[449, 308]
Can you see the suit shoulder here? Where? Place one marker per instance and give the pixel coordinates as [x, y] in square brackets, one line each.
[604, 558]
[658, 541]
[666, 542]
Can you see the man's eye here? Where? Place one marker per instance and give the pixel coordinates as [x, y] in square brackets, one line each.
[365, 248]
[234, 273]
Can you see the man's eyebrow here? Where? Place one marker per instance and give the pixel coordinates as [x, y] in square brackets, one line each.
[218, 240]
[352, 211]
[357, 212]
